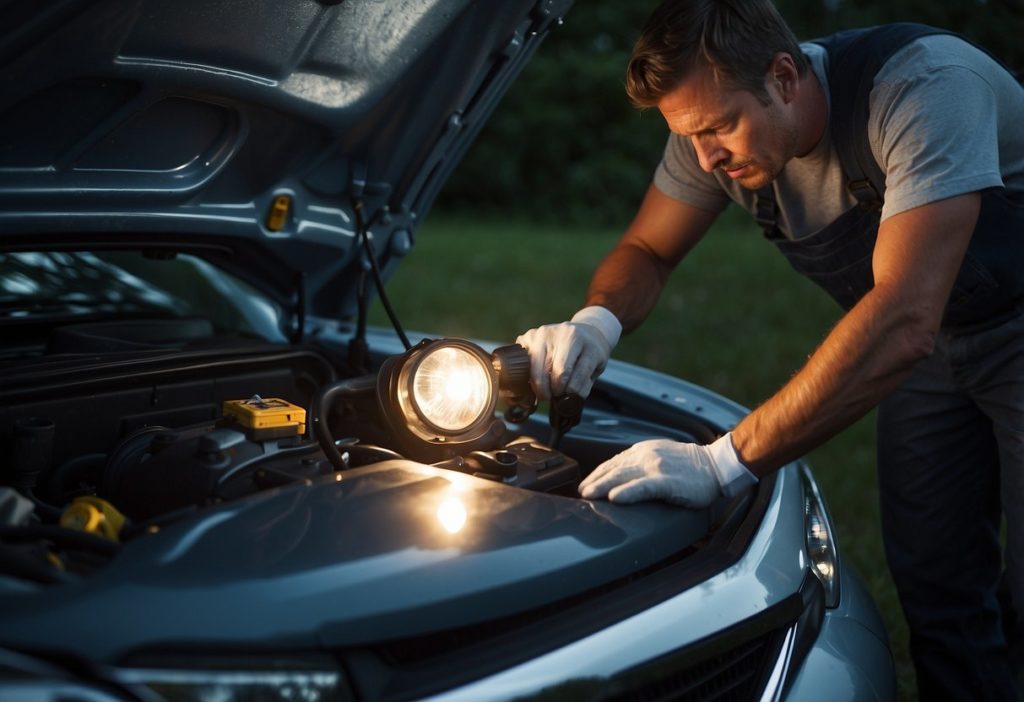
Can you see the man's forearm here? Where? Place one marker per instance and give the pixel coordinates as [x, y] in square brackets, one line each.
[630, 278]
[628, 282]
[867, 355]
[876, 344]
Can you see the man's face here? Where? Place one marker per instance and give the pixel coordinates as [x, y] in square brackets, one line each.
[730, 129]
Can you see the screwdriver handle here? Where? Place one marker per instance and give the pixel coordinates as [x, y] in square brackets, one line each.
[565, 413]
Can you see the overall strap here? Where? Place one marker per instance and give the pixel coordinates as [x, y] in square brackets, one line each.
[767, 213]
[854, 58]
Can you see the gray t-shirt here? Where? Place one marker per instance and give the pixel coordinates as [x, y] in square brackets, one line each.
[944, 119]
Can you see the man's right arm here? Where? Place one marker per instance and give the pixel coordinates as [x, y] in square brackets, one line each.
[631, 277]
[567, 357]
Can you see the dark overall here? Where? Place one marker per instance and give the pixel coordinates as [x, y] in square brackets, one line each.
[943, 435]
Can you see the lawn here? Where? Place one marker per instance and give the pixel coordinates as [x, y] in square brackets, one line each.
[733, 318]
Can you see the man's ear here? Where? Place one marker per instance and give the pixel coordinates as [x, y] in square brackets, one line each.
[783, 76]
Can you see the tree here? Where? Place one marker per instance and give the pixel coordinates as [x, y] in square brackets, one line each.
[566, 146]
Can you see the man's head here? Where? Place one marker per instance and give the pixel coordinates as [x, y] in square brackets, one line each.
[724, 73]
[736, 39]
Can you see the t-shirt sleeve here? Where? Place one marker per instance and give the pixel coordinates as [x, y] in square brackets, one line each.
[934, 134]
[680, 176]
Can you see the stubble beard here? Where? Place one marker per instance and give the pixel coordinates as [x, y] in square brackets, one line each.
[763, 173]
[759, 178]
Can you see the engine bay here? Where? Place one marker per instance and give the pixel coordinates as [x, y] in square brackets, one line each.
[103, 448]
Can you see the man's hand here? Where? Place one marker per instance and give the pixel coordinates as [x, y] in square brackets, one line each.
[568, 357]
[660, 469]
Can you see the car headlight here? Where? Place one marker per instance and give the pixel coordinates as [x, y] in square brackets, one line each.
[820, 539]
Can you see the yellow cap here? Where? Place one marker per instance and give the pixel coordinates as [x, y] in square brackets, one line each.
[93, 515]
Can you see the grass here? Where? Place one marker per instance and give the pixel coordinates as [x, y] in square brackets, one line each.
[732, 318]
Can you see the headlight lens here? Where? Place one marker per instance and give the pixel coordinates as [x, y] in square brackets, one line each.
[450, 388]
[820, 540]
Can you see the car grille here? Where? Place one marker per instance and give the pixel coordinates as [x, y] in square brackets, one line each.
[738, 674]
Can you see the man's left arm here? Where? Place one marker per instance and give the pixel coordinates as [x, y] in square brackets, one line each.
[937, 154]
[875, 345]
[866, 355]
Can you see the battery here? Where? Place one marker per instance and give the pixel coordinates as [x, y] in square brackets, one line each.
[266, 418]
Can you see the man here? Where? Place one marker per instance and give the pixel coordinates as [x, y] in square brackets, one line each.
[933, 284]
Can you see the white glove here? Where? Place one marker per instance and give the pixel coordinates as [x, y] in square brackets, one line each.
[660, 469]
[568, 357]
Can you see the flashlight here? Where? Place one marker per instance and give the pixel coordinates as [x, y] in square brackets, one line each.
[444, 389]
[435, 401]
[441, 395]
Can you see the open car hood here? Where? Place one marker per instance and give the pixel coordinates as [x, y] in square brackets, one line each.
[244, 131]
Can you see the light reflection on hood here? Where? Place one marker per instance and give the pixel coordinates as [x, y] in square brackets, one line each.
[451, 513]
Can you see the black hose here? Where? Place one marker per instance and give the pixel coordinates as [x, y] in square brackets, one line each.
[61, 536]
[321, 409]
[65, 478]
[44, 509]
[357, 348]
[377, 279]
[20, 565]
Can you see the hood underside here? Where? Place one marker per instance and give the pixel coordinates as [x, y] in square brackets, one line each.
[245, 130]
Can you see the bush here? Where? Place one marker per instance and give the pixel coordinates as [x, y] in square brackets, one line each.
[565, 145]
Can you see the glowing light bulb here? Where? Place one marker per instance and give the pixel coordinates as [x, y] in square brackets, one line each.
[452, 388]
[459, 386]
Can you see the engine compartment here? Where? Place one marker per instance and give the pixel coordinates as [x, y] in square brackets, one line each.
[103, 448]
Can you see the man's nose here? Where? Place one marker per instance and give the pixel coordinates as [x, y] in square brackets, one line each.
[710, 152]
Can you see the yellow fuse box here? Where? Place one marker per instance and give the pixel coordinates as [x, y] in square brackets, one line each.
[266, 418]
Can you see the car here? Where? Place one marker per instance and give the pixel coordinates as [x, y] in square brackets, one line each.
[221, 483]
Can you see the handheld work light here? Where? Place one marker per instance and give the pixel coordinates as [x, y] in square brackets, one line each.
[435, 401]
[440, 396]
[445, 390]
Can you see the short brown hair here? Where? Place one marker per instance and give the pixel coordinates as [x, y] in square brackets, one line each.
[737, 39]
